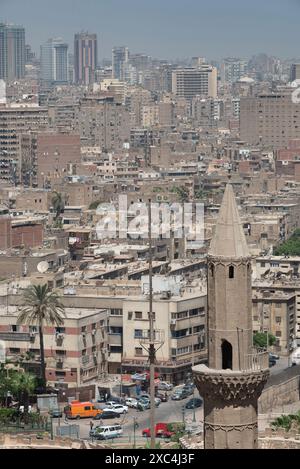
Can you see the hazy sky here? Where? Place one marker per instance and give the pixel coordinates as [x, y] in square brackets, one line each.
[165, 28]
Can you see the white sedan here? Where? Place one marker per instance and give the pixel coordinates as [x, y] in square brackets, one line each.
[118, 408]
[131, 402]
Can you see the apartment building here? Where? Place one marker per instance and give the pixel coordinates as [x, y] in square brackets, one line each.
[275, 312]
[270, 120]
[14, 121]
[190, 82]
[75, 353]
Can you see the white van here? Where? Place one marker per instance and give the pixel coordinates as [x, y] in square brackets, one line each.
[106, 432]
[296, 357]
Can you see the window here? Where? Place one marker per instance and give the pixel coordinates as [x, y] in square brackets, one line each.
[130, 313]
[212, 270]
[231, 271]
[60, 373]
[60, 353]
[278, 333]
[138, 315]
[278, 319]
[226, 355]
[15, 328]
[83, 329]
[14, 350]
[277, 305]
[138, 333]
[116, 312]
[60, 330]
[115, 349]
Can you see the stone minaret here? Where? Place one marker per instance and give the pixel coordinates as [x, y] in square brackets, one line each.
[236, 374]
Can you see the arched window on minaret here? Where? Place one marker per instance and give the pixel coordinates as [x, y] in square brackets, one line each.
[212, 269]
[226, 355]
[231, 271]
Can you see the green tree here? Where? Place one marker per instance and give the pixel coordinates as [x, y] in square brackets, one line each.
[260, 339]
[94, 205]
[22, 386]
[182, 193]
[58, 204]
[291, 247]
[41, 306]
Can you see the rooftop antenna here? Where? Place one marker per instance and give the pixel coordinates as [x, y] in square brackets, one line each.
[153, 341]
[42, 267]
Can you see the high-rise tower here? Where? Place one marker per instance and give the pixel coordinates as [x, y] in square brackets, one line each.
[12, 52]
[236, 373]
[54, 61]
[85, 58]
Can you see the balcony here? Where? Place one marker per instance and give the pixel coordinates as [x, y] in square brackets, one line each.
[15, 336]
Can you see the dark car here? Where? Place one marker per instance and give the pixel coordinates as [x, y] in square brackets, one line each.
[55, 413]
[193, 403]
[162, 396]
[272, 362]
[108, 414]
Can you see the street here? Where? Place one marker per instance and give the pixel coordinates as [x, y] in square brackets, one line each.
[167, 412]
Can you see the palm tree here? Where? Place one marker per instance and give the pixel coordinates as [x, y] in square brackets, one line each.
[58, 204]
[41, 306]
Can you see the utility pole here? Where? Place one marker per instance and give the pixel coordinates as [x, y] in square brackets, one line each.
[151, 337]
[152, 340]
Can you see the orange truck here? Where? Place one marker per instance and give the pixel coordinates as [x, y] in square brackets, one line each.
[78, 410]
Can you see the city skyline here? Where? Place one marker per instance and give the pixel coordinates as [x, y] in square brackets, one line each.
[181, 29]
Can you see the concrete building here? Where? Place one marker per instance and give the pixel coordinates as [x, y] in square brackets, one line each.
[295, 72]
[12, 52]
[120, 57]
[233, 69]
[54, 62]
[14, 121]
[270, 120]
[85, 58]
[236, 374]
[190, 82]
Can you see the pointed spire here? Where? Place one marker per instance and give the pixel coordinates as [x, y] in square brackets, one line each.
[229, 239]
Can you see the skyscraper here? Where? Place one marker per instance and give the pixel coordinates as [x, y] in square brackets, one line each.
[85, 58]
[12, 52]
[120, 56]
[54, 61]
[236, 373]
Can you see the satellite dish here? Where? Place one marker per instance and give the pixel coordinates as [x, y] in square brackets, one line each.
[43, 267]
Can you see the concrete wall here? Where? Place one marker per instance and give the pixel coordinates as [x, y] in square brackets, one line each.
[280, 390]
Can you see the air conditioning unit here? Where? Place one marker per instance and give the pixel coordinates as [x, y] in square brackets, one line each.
[32, 334]
[60, 335]
[173, 322]
[94, 331]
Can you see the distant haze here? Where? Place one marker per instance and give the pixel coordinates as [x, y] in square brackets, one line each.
[165, 28]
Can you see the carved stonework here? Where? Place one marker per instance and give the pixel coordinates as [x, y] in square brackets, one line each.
[231, 386]
[229, 428]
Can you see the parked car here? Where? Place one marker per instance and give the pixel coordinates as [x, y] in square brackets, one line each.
[131, 402]
[273, 355]
[143, 405]
[272, 362]
[161, 431]
[108, 414]
[117, 399]
[193, 403]
[55, 413]
[162, 396]
[189, 388]
[106, 432]
[119, 408]
[146, 398]
[178, 395]
[165, 386]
